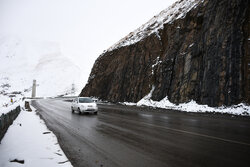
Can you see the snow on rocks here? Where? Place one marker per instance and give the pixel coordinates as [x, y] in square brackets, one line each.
[191, 45]
[158, 61]
[176, 11]
[29, 141]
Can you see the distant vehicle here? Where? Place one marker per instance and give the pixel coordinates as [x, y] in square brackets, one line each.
[84, 105]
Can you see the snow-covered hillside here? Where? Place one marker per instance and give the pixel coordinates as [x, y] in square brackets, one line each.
[25, 60]
[176, 11]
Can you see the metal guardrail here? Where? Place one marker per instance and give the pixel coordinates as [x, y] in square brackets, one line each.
[7, 119]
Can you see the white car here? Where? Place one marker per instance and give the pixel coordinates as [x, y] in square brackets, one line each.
[84, 105]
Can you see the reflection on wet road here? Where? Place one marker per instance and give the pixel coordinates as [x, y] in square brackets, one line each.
[131, 136]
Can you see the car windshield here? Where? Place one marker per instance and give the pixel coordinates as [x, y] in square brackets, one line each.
[85, 100]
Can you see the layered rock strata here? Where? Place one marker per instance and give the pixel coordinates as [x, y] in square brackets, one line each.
[201, 55]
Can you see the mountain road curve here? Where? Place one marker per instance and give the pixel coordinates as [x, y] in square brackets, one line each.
[128, 136]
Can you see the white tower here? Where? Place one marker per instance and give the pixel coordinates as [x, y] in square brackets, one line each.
[34, 89]
[73, 89]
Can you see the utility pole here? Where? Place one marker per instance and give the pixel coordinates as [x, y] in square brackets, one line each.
[34, 89]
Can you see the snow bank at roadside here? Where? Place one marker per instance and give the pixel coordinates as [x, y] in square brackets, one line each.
[29, 139]
[192, 106]
[6, 105]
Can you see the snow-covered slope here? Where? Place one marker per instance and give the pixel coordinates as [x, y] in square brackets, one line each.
[176, 11]
[25, 60]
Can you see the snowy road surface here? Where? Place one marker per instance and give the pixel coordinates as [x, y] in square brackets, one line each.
[130, 136]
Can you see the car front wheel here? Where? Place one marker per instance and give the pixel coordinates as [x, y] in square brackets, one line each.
[79, 111]
[72, 110]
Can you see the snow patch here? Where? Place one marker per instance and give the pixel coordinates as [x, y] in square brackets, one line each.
[129, 103]
[158, 61]
[147, 98]
[191, 45]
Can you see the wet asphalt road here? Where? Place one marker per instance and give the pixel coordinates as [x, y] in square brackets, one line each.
[142, 137]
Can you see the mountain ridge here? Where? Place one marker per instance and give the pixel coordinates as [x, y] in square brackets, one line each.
[176, 11]
[23, 60]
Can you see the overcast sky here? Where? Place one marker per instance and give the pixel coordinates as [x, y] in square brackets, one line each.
[83, 28]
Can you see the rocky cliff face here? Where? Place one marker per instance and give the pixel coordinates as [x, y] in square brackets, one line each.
[193, 50]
